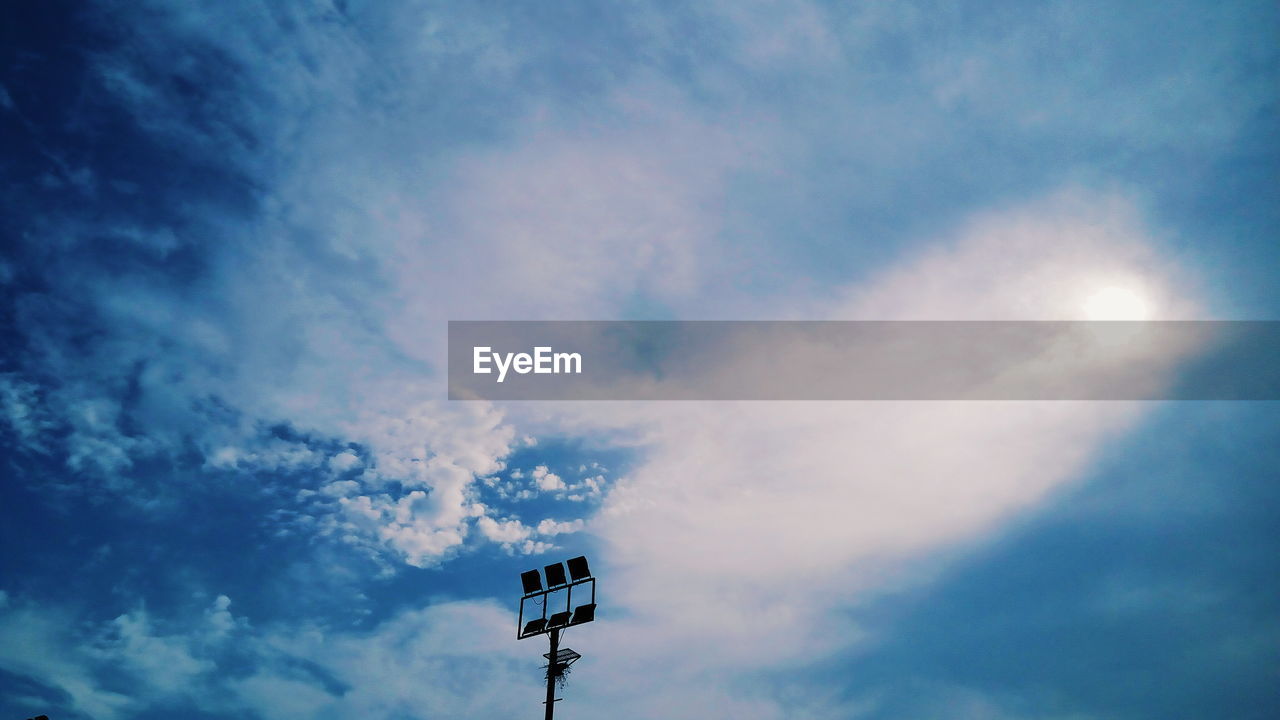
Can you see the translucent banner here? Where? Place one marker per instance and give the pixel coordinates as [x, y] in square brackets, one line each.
[859, 360]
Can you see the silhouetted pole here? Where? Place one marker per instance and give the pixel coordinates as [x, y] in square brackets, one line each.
[551, 673]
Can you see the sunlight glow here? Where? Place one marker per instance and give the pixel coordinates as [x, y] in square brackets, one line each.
[1117, 303]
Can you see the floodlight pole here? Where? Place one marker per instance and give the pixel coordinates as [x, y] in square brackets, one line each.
[551, 673]
[580, 574]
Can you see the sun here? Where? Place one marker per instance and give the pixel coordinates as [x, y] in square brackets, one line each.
[1117, 303]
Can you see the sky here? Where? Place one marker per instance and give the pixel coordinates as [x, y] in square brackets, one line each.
[232, 235]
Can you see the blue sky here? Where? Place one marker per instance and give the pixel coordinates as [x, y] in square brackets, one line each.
[232, 236]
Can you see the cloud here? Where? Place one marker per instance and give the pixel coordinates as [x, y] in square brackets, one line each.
[546, 480]
[266, 455]
[422, 662]
[937, 699]
[425, 663]
[344, 461]
[552, 527]
[51, 644]
[21, 410]
[166, 663]
[516, 536]
[506, 532]
[39, 643]
[750, 527]
[1045, 259]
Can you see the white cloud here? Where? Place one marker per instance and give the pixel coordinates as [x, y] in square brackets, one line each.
[219, 618]
[1041, 260]
[335, 337]
[506, 532]
[344, 461]
[47, 643]
[166, 662]
[772, 517]
[420, 663]
[546, 480]
[341, 488]
[418, 526]
[455, 659]
[550, 527]
[272, 455]
[285, 696]
[34, 645]
[20, 408]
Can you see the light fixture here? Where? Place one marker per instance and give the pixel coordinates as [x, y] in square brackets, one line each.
[584, 614]
[555, 575]
[551, 623]
[578, 569]
[532, 582]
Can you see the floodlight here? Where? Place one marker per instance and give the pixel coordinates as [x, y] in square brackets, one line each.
[557, 595]
[584, 614]
[578, 569]
[555, 575]
[532, 582]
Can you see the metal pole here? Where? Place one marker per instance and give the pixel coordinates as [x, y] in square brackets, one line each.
[551, 674]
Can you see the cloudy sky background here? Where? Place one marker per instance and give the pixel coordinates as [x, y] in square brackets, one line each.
[233, 235]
